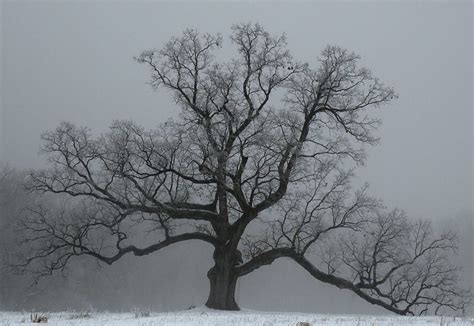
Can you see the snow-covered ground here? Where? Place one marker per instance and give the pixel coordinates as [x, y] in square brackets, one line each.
[207, 317]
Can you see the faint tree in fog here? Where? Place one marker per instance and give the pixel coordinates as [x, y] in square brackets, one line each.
[257, 166]
[10, 194]
[13, 200]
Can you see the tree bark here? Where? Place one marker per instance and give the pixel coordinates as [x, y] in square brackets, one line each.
[223, 280]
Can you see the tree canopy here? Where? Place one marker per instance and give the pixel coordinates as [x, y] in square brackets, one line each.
[258, 164]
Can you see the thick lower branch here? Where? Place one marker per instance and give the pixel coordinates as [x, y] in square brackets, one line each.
[155, 247]
[265, 258]
[268, 257]
[76, 249]
[344, 284]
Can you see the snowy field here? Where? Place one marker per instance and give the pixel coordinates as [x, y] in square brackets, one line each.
[206, 317]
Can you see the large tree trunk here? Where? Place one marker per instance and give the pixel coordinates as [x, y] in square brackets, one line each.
[222, 280]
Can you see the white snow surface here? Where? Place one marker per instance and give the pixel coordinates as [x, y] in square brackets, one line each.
[209, 317]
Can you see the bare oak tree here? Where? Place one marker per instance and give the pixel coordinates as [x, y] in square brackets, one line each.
[256, 166]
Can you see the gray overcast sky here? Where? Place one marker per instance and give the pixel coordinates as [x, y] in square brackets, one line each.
[74, 61]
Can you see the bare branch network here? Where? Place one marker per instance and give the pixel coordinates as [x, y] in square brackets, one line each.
[256, 166]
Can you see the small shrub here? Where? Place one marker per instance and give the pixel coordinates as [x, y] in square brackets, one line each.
[38, 318]
[80, 315]
[303, 323]
[141, 313]
[191, 307]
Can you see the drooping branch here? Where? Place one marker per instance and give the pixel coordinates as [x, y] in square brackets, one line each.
[387, 261]
[95, 230]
